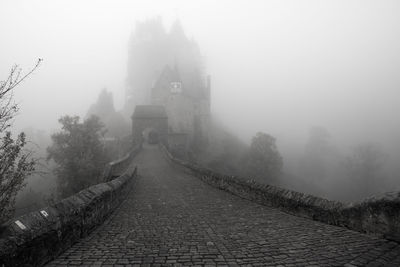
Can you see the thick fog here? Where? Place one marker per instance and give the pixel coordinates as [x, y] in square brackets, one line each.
[280, 67]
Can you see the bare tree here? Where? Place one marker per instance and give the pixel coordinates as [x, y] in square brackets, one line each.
[15, 162]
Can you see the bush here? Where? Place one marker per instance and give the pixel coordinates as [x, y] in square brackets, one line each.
[263, 161]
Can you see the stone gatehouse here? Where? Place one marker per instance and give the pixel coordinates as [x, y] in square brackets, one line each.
[148, 118]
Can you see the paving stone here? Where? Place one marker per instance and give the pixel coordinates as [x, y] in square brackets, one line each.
[172, 218]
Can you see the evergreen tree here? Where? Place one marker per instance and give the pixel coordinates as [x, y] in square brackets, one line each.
[113, 121]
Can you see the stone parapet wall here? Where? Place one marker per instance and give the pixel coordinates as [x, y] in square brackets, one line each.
[117, 167]
[378, 215]
[38, 237]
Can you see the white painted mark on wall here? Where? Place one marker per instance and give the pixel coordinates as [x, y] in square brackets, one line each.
[44, 213]
[20, 225]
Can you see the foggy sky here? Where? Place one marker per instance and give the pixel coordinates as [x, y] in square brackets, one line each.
[276, 66]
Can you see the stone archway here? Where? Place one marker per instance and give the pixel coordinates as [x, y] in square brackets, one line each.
[150, 118]
[150, 135]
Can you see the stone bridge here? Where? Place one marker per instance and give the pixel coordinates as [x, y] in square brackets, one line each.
[171, 218]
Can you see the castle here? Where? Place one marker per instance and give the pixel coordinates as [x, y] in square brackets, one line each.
[167, 87]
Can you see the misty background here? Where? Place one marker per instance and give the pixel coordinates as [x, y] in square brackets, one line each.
[321, 77]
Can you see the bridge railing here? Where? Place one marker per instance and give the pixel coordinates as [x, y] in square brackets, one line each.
[378, 215]
[38, 237]
[117, 167]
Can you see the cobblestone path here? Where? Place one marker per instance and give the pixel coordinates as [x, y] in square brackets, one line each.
[173, 219]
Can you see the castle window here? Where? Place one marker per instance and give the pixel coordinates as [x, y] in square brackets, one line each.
[176, 87]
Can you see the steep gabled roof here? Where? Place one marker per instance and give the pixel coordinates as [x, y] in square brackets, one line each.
[149, 111]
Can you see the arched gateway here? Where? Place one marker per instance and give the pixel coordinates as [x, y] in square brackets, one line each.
[150, 120]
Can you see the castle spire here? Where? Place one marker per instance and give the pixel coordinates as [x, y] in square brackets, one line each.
[177, 31]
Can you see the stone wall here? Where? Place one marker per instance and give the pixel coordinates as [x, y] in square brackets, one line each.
[117, 167]
[378, 216]
[178, 144]
[38, 237]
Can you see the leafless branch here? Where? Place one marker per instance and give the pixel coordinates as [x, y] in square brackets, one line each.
[8, 108]
[14, 78]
